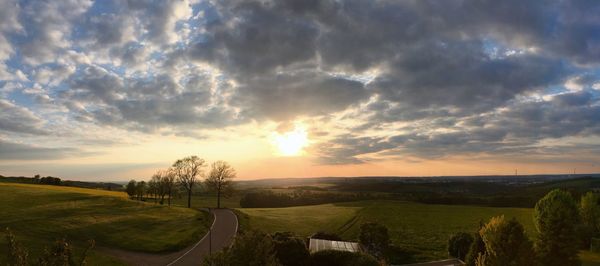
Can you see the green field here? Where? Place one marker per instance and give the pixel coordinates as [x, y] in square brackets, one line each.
[420, 229]
[40, 214]
[208, 201]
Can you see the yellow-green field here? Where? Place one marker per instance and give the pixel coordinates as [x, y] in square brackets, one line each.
[40, 214]
[420, 229]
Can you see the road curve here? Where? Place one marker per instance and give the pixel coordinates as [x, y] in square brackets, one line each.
[221, 235]
[223, 230]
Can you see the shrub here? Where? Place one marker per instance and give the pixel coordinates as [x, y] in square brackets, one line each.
[556, 218]
[289, 250]
[252, 248]
[476, 248]
[590, 217]
[505, 243]
[374, 237]
[459, 244]
[17, 255]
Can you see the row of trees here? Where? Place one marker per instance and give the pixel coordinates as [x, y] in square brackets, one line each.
[185, 174]
[562, 228]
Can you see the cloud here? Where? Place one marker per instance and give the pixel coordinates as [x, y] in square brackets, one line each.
[517, 131]
[416, 78]
[18, 119]
[282, 97]
[19, 151]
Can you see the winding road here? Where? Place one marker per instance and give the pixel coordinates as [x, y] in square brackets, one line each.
[223, 230]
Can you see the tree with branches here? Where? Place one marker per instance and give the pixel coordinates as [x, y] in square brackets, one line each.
[187, 170]
[219, 180]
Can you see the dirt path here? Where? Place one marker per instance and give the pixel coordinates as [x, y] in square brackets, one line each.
[222, 232]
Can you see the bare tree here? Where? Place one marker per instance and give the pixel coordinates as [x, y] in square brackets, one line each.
[158, 181]
[169, 183]
[187, 170]
[219, 179]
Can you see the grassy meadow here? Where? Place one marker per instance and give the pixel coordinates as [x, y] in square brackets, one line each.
[420, 229]
[204, 201]
[40, 214]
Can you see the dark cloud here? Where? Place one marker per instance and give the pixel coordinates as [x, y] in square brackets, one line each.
[18, 151]
[146, 104]
[517, 130]
[285, 96]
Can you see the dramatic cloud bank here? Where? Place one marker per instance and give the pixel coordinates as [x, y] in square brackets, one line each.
[373, 80]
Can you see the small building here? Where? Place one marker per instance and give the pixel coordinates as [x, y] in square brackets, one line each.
[322, 244]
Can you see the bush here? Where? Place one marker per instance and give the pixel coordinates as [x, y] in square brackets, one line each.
[374, 237]
[459, 244]
[556, 218]
[17, 255]
[289, 250]
[341, 258]
[590, 217]
[506, 244]
[252, 248]
[476, 248]
[58, 255]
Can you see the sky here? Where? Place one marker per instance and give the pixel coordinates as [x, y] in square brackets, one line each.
[118, 89]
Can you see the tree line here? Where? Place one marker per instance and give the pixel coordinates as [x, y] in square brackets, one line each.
[185, 174]
[563, 227]
[300, 197]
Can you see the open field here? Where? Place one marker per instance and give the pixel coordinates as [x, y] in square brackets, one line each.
[421, 229]
[208, 201]
[40, 214]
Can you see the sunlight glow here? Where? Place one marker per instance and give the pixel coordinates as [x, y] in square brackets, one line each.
[292, 142]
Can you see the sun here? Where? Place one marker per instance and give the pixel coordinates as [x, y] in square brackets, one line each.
[292, 142]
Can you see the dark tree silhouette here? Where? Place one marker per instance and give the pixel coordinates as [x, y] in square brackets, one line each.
[131, 188]
[187, 170]
[219, 180]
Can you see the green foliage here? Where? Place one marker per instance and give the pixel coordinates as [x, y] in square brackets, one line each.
[17, 255]
[556, 218]
[252, 248]
[60, 254]
[506, 244]
[590, 217]
[459, 245]
[131, 188]
[341, 258]
[289, 250]
[476, 248]
[374, 237]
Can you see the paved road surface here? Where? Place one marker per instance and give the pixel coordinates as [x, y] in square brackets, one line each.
[223, 231]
